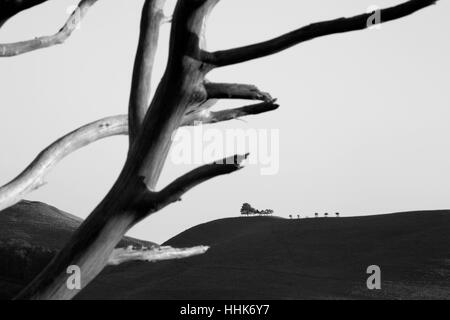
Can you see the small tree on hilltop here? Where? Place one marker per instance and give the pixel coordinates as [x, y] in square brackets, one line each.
[267, 212]
[246, 209]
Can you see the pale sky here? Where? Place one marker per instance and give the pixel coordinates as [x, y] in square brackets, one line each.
[363, 121]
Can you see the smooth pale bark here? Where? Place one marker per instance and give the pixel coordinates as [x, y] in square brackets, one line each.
[18, 48]
[151, 21]
[120, 256]
[33, 176]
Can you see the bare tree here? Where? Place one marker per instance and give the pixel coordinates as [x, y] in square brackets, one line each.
[182, 95]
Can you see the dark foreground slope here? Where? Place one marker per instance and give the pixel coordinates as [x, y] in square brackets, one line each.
[30, 235]
[270, 258]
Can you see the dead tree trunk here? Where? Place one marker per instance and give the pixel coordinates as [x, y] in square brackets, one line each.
[182, 93]
[130, 199]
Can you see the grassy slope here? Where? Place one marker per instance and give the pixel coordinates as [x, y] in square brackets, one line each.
[37, 223]
[270, 258]
[30, 234]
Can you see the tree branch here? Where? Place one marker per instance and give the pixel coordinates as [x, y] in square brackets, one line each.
[18, 48]
[235, 91]
[33, 176]
[320, 29]
[120, 256]
[149, 201]
[174, 191]
[151, 21]
[229, 114]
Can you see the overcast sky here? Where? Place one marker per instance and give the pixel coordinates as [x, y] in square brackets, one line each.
[363, 124]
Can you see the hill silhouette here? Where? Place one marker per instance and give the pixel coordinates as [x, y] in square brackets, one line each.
[31, 233]
[251, 258]
[273, 258]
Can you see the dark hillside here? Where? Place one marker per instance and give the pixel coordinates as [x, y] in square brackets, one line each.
[270, 258]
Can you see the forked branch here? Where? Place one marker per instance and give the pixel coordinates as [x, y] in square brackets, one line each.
[18, 48]
[315, 30]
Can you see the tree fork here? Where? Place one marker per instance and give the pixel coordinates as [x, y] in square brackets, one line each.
[181, 88]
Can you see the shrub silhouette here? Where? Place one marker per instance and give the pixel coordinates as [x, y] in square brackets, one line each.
[247, 210]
